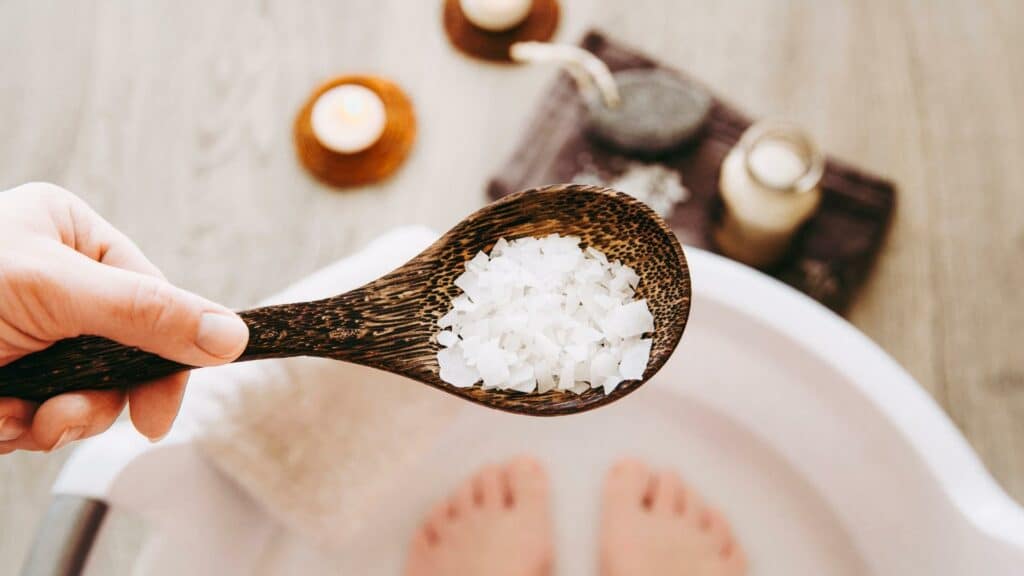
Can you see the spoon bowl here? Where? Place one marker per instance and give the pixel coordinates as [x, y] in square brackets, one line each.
[390, 323]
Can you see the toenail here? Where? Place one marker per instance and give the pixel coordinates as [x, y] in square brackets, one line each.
[11, 428]
[726, 549]
[705, 520]
[66, 437]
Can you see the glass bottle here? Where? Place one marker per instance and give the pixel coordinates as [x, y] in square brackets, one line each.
[770, 183]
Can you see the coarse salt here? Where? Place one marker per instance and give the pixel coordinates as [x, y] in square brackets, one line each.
[539, 314]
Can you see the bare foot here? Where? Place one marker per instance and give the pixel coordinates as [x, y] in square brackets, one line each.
[653, 525]
[498, 523]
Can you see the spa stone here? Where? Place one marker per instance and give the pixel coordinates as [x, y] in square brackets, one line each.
[657, 112]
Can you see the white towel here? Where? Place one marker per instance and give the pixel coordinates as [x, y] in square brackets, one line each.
[316, 441]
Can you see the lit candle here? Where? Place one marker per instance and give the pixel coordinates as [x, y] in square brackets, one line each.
[496, 15]
[770, 186]
[348, 118]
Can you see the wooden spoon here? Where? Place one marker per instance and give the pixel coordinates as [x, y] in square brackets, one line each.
[390, 323]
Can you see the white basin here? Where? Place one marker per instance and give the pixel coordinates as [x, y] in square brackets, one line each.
[825, 454]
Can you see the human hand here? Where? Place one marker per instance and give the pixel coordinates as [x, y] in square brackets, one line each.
[66, 272]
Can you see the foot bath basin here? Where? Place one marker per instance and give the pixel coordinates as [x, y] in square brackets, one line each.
[825, 455]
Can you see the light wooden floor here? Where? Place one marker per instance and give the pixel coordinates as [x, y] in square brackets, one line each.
[172, 118]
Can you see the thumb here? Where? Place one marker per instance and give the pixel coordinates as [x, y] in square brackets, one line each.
[146, 312]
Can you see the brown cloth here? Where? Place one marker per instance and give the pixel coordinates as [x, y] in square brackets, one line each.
[830, 256]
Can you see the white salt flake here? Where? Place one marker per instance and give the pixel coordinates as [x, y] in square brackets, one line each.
[478, 263]
[470, 349]
[585, 334]
[659, 187]
[523, 379]
[469, 282]
[524, 386]
[610, 384]
[629, 320]
[578, 352]
[454, 369]
[634, 360]
[447, 338]
[545, 346]
[492, 365]
[580, 388]
[603, 365]
[545, 379]
[447, 320]
[542, 314]
[479, 329]
[567, 374]
[463, 304]
[597, 255]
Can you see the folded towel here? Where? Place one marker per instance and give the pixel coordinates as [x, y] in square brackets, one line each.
[315, 441]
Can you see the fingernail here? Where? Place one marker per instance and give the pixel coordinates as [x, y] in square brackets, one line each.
[156, 439]
[11, 428]
[221, 335]
[69, 435]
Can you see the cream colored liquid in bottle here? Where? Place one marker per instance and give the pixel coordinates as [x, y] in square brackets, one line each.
[770, 183]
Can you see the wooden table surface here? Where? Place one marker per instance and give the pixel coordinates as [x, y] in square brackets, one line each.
[172, 118]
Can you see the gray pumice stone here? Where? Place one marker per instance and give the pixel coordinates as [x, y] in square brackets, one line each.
[657, 112]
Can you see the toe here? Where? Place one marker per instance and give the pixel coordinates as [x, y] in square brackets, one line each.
[451, 510]
[628, 482]
[424, 539]
[421, 550]
[464, 498]
[720, 531]
[527, 482]
[429, 533]
[680, 498]
[735, 560]
[437, 522]
[694, 508]
[487, 487]
[704, 520]
[667, 486]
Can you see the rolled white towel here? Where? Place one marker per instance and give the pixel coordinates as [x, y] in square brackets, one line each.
[315, 441]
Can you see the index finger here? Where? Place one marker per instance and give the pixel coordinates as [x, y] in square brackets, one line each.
[153, 406]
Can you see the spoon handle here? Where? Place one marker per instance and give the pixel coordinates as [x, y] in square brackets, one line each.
[95, 363]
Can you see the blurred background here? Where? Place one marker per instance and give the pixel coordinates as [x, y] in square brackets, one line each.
[173, 119]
